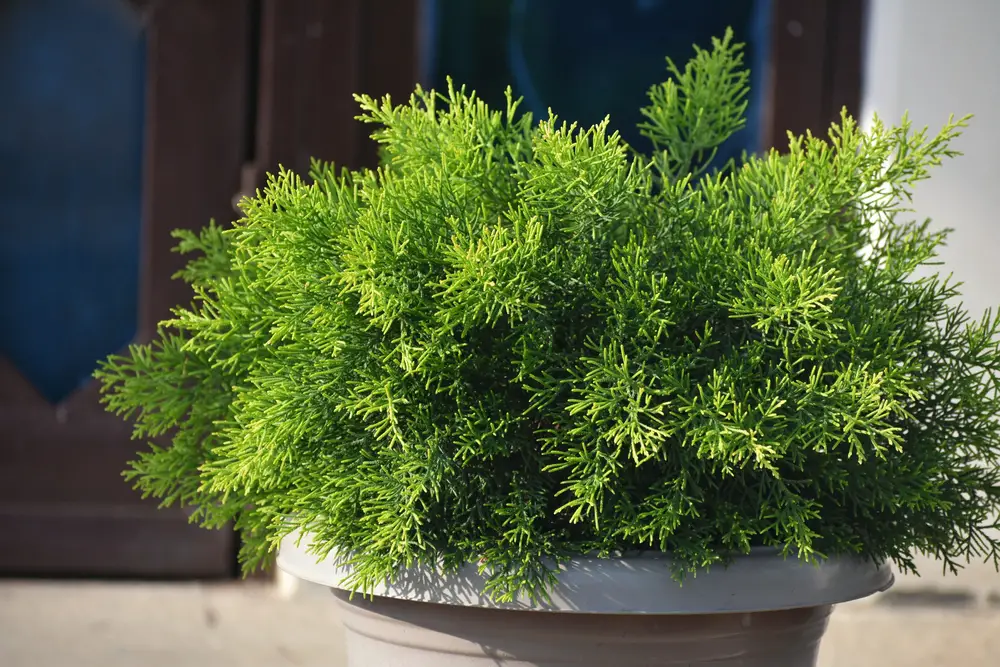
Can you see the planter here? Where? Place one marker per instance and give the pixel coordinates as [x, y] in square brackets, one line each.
[761, 611]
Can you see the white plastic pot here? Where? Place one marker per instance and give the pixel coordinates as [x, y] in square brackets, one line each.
[762, 611]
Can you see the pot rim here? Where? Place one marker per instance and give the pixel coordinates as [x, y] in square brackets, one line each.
[641, 583]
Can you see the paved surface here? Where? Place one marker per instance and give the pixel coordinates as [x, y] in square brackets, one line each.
[70, 624]
[870, 636]
[62, 624]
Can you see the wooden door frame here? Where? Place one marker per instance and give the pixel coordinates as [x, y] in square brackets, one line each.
[815, 66]
[198, 92]
[314, 55]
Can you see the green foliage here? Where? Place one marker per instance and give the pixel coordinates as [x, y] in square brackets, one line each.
[516, 341]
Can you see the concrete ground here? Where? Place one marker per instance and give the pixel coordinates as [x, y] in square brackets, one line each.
[67, 624]
[87, 624]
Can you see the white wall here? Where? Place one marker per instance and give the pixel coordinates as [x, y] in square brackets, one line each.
[933, 58]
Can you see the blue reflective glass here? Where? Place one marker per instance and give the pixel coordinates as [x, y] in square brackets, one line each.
[71, 81]
[585, 59]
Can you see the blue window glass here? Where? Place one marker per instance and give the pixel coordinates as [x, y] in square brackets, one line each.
[71, 78]
[585, 59]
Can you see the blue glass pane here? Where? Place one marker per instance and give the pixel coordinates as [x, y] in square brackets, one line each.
[589, 58]
[71, 78]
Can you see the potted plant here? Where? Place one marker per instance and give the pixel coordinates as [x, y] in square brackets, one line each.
[546, 401]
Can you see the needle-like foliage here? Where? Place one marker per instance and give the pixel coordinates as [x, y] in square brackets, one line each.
[517, 341]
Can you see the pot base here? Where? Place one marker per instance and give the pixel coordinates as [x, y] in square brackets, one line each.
[386, 632]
